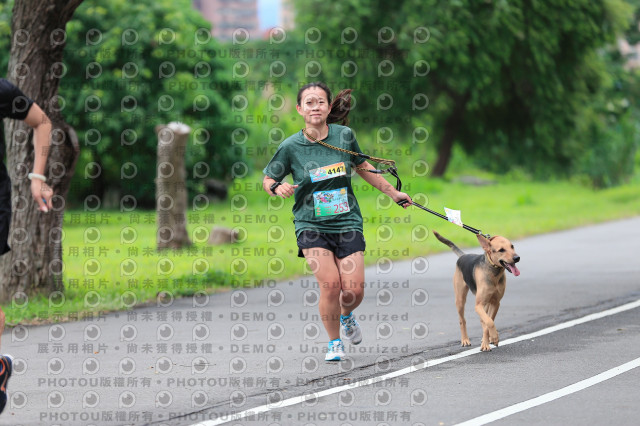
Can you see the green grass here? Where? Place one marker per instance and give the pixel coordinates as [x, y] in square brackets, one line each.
[111, 262]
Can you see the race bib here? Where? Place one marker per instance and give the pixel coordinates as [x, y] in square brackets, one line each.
[329, 203]
[328, 172]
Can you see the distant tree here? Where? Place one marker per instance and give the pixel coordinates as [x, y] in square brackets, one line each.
[5, 33]
[632, 35]
[507, 80]
[611, 118]
[132, 65]
[38, 39]
[355, 44]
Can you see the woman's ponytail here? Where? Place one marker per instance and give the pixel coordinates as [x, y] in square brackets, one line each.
[340, 108]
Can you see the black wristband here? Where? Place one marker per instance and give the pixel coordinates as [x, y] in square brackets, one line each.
[274, 186]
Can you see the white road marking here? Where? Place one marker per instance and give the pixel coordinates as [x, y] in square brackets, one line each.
[372, 380]
[551, 396]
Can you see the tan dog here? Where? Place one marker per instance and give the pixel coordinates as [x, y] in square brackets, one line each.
[483, 274]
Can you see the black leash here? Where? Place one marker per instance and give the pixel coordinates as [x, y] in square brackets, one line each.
[393, 171]
[440, 215]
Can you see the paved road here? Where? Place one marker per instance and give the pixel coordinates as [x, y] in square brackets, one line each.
[200, 360]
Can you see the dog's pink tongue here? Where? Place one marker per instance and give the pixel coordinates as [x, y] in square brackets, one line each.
[513, 269]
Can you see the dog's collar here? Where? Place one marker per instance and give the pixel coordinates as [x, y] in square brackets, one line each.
[490, 262]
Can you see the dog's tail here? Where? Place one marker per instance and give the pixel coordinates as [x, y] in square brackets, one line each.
[443, 240]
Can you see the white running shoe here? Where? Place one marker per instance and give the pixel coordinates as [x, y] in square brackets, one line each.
[335, 352]
[351, 329]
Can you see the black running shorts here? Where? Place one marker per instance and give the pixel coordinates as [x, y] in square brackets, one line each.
[5, 209]
[341, 244]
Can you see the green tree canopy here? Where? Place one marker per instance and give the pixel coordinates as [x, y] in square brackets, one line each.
[508, 80]
[130, 66]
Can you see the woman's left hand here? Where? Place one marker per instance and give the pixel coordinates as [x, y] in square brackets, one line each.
[402, 199]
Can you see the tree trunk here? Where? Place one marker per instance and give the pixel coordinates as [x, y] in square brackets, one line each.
[451, 127]
[171, 188]
[34, 264]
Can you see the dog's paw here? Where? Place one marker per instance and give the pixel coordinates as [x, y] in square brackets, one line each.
[494, 340]
[485, 348]
[465, 342]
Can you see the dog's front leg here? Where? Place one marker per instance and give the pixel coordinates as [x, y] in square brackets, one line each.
[492, 311]
[488, 327]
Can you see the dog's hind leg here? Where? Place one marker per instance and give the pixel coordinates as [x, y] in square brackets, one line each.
[461, 290]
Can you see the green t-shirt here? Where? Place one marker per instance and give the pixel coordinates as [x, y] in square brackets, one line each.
[324, 199]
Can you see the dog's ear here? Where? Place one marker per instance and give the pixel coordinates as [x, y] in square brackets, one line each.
[484, 242]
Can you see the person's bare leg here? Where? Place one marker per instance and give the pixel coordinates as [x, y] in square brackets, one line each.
[351, 270]
[323, 265]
